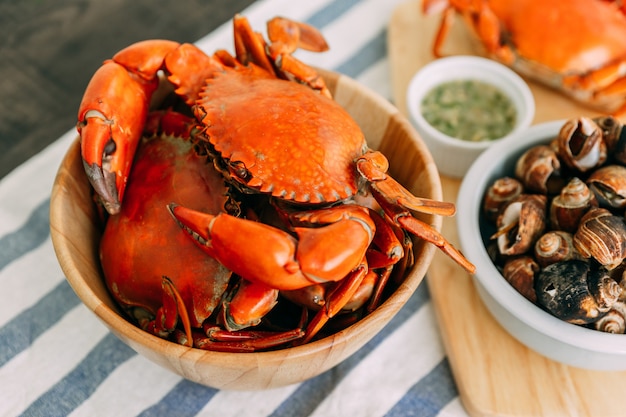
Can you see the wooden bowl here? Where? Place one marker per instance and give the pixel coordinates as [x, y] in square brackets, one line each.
[76, 230]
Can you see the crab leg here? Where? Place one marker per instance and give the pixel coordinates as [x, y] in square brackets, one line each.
[387, 254]
[363, 283]
[220, 340]
[336, 300]
[249, 45]
[436, 6]
[286, 36]
[244, 342]
[248, 304]
[403, 218]
[396, 201]
[603, 84]
[261, 253]
[373, 167]
[166, 317]
[384, 252]
[484, 22]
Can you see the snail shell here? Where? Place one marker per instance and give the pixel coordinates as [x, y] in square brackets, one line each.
[619, 275]
[614, 136]
[537, 168]
[567, 208]
[614, 321]
[555, 246]
[521, 223]
[602, 236]
[581, 144]
[575, 292]
[520, 273]
[494, 253]
[498, 194]
[609, 186]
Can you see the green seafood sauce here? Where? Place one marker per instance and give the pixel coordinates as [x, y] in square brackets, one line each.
[471, 110]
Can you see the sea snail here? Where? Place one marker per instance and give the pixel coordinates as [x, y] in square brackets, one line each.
[576, 292]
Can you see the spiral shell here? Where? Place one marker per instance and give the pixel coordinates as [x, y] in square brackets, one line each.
[567, 208]
[498, 194]
[581, 144]
[555, 246]
[609, 186]
[521, 223]
[602, 236]
[537, 168]
[614, 136]
[614, 321]
[520, 273]
[575, 292]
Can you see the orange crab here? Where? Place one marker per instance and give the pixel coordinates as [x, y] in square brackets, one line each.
[576, 46]
[174, 298]
[267, 135]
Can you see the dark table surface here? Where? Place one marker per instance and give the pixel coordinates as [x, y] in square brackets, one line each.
[49, 49]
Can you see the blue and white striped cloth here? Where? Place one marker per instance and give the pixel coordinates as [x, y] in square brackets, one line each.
[56, 358]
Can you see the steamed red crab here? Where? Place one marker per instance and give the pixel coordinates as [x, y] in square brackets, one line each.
[268, 124]
[576, 46]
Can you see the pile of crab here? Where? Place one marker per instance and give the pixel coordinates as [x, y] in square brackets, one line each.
[245, 211]
[559, 231]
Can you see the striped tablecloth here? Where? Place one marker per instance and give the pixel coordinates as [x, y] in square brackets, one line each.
[56, 358]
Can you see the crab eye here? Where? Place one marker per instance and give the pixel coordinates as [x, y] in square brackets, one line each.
[239, 169]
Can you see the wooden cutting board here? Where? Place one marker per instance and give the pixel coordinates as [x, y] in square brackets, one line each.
[495, 374]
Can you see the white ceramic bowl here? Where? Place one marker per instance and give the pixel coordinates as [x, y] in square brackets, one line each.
[558, 340]
[454, 156]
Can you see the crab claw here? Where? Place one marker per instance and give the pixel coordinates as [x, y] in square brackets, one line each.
[197, 224]
[275, 258]
[112, 114]
[110, 123]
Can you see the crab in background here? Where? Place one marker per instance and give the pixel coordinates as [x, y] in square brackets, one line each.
[575, 46]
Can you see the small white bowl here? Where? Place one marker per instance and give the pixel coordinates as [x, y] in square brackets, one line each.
[556, 339]
[454, 156]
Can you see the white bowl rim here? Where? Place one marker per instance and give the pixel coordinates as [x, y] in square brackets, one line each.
[488, 68]
[490, 278]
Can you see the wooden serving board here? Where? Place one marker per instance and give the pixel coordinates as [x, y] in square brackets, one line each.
[495, 374]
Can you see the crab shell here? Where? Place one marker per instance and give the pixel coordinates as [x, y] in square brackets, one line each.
[595, 37]
[279, 137]
[135, 240]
